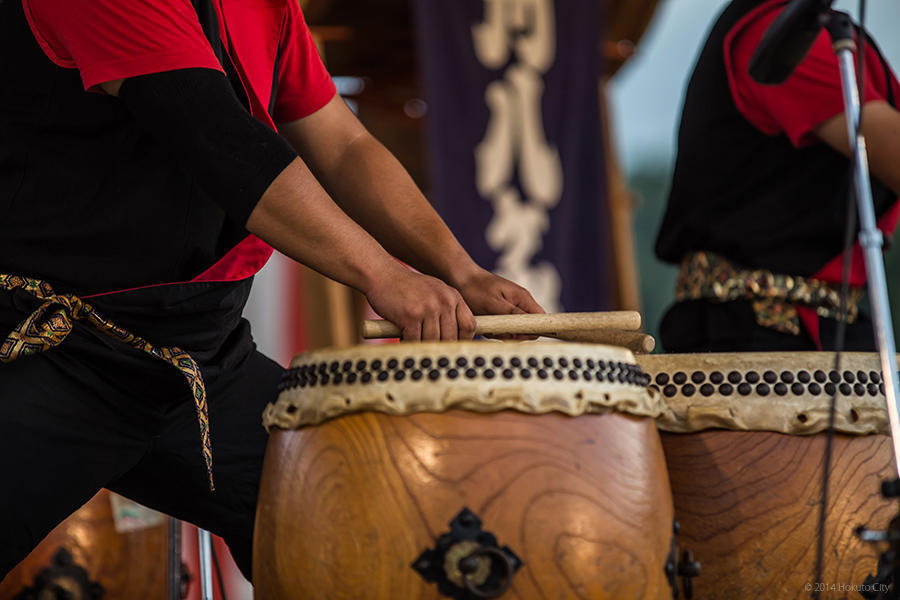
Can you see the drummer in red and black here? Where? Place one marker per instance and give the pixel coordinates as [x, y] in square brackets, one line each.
[92, 204]
[757, 208]
[142, 184]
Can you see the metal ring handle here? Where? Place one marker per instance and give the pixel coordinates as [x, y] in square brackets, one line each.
[492, 553]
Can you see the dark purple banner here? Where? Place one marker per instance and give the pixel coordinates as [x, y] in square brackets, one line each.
[515, 141]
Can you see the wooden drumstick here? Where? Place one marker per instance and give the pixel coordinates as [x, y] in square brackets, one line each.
[639, 343]
[529, 324]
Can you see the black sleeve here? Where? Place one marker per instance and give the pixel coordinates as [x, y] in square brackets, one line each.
[195, 115]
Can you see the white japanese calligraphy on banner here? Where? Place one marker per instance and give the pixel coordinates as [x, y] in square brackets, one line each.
[515, 142]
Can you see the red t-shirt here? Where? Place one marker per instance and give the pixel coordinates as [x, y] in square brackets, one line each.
[812, 93]
[115, 39]
[111, 39]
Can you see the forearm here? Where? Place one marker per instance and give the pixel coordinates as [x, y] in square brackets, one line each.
[296, 216]
[371, 185]
[881, 128]
[377, 192]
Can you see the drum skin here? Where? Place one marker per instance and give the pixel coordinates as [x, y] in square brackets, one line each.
[128, 565]
[748, 505]
[346, 507]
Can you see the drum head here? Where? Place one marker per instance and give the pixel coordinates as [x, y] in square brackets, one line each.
[787, 392]
[401, 379]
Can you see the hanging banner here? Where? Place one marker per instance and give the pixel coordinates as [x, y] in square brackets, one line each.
[515, 142]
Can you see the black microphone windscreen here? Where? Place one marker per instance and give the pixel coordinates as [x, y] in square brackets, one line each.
[788, 40]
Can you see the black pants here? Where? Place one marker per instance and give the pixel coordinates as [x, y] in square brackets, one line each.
[95, 413]
[704, 326]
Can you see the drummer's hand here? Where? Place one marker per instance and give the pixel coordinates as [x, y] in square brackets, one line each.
[423, 307]
[490, 294]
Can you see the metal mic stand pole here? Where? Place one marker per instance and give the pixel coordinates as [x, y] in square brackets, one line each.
[870, 238]
[204, 545]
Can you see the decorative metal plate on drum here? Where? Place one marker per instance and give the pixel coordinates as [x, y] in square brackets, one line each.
[63, 579]
[553, 446]
[466, 563]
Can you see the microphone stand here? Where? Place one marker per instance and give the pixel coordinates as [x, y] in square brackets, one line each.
[870, 238]
[840, 29]
[204, 546]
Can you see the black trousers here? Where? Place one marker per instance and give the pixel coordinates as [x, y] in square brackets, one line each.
[705, 326]
[95, 413]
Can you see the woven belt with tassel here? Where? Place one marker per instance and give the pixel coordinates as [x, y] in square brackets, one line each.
[704, 275]
[52, 322]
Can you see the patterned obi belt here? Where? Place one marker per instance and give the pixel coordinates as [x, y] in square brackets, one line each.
[52, 322]
[708, 276]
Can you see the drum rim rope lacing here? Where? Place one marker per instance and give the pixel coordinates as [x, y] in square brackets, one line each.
[725, 391]
[480, 376]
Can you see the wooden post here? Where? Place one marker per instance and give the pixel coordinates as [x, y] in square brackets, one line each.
[331, 316]
[625, 269]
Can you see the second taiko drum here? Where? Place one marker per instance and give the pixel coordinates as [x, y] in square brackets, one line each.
[744, 439]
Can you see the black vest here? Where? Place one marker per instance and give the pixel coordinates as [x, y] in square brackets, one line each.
[748, 196]
[88, 201]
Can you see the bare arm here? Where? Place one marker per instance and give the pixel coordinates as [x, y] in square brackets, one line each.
[296, 216]
[373, 188]
[881, 128]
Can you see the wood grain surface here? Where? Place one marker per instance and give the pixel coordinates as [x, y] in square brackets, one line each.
[748, 505]
[346, 507]
[128, 565]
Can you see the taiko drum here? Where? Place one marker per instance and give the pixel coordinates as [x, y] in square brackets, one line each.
[744, 445]
[464, 470]
[86, 558]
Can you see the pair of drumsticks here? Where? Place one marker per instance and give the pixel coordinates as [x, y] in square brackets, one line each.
[616, 328]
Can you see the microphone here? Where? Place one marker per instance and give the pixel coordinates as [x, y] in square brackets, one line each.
[788, 40]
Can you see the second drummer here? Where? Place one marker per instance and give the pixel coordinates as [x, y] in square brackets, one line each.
[757, 208]
[139, 162]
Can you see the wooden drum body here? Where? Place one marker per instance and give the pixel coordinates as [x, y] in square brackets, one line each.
[745, 462]
[86, 558]
[375, 495]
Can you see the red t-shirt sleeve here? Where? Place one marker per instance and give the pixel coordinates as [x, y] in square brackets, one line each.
[116, 39]
[811, 94]
[304, 86]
